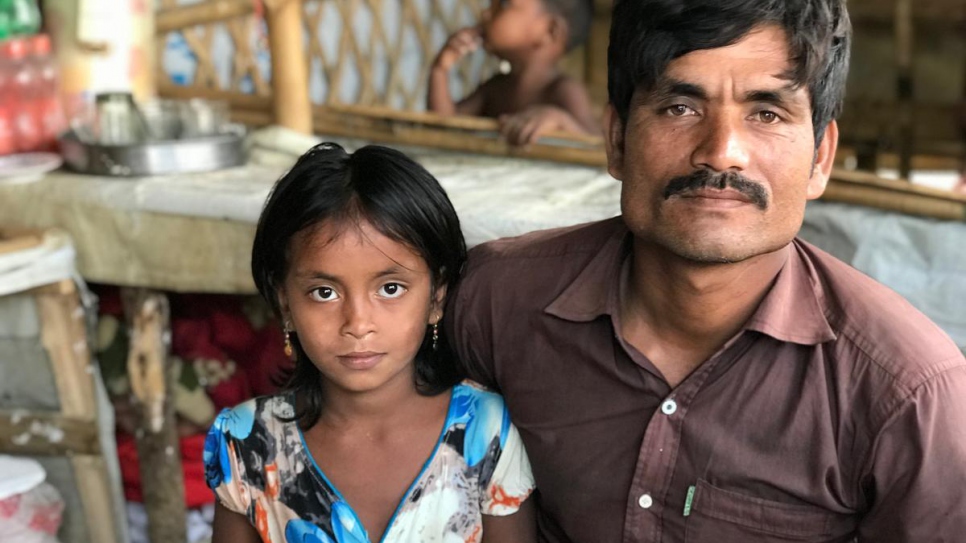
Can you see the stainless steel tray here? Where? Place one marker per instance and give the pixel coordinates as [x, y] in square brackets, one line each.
[200, 154]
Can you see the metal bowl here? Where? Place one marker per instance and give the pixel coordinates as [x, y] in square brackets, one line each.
[164, 157]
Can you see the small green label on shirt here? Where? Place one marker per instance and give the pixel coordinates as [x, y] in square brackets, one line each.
[688, 500]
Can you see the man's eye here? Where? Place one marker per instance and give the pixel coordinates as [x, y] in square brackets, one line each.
[768, 117]
[324, 294]
[679, 110]
[392, 290]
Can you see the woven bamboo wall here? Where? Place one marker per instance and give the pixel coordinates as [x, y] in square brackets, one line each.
[367, 52]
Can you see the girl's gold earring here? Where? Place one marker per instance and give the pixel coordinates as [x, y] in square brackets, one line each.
[289, 351]
[436, 335]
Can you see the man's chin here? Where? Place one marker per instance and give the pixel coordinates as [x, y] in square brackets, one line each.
[712, 252]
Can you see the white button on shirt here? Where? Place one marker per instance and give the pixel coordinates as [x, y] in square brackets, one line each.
[669, 407]
[645, 501]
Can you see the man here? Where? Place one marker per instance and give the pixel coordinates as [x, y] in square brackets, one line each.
[689, 371]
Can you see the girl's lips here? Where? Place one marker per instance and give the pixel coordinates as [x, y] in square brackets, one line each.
[361, 361]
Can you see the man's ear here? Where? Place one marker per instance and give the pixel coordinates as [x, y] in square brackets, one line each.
[614, 142]
[824, 160]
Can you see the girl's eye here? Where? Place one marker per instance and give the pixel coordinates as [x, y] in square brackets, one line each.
[392, 290]
[324, 294]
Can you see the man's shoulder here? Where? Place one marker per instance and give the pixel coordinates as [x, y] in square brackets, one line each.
[569, 245]
[876, 325]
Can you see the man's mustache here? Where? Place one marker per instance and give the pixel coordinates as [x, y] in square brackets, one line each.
[706, 179]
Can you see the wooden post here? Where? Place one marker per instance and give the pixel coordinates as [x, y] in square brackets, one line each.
[961, 121]
[904, 81]
[159, 453]
[595, 64]
[290, 81]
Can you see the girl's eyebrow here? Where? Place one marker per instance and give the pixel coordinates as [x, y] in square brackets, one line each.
[395, 269]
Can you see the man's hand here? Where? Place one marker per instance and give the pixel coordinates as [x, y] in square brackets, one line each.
[527, 126]
[461, 43]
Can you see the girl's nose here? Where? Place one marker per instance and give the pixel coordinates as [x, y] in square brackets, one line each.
[357, 321]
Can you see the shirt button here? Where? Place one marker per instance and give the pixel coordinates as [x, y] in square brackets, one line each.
[645, 501]
[669, 407]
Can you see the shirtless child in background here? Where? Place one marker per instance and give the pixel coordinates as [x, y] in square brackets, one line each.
[535, 96]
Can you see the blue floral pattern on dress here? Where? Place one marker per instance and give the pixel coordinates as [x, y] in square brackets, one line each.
[303, 531]
[259, 466]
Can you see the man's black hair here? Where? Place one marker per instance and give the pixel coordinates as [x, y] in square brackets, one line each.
[646, 35]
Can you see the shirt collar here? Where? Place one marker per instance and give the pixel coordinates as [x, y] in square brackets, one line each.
[792, 311]
[594, 291]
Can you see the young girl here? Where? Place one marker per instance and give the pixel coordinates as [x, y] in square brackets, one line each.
[374, 439]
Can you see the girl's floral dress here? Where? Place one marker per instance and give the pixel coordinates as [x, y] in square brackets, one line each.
[260, 466]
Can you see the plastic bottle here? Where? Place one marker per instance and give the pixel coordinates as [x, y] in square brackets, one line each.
[48, 110]
[6, 19]
[27, 132]
[25, 17]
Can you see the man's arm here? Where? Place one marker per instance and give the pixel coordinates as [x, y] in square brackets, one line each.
[917, 470]
[466, 326]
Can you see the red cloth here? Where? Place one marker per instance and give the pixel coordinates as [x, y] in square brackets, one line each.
[196, 491]
[207, 327]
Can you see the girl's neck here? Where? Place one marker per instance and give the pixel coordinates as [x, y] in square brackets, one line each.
[395, 401]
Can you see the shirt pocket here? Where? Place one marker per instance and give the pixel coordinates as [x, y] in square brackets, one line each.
[723, 516]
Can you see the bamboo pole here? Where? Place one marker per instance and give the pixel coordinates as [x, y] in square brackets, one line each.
[290, 81]
[213, 11]
[235, 100]
[159, 452]
[459, 122]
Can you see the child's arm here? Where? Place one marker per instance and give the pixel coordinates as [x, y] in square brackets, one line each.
[438, 98]
[568, 109]
[520, 527]
[230, 527]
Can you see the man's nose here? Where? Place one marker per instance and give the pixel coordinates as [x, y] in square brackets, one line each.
[723, 145]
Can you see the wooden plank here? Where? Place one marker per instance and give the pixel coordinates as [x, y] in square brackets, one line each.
[64, 336]
[159, 456]
[905, 44]
[942, 13]
[12, 244]
[460, 122]
[97, 498]
[239, 100]
[213, 11]
[47, 434]
[334, 123]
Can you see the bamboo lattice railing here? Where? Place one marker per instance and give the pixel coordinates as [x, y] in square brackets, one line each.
[367, 52]
[382, 105]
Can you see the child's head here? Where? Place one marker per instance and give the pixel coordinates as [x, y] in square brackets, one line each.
[519, 26]
[355, 252]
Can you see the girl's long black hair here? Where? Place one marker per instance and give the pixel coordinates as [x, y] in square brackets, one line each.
[400, 199]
